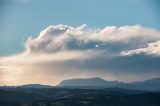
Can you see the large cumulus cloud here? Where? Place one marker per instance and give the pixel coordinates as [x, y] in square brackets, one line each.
[60, 52]
[63, 37]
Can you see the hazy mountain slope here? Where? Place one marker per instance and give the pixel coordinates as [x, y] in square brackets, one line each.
[98, 83]
[151, 84]
[88, 82]
[36, 86]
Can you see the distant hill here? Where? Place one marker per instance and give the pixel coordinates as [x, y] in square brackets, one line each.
[36, 86]
[89, 82]
[98, 83]
[151, 84]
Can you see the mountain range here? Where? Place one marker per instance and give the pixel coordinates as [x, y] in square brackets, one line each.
[151, 84]
[99, 83]
[89, 82]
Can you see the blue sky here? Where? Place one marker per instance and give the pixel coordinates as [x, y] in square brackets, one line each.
[20, 19]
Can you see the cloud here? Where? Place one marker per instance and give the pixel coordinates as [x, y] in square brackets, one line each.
[63, 38]
[62, 51]
[54, 39]
[151, 49]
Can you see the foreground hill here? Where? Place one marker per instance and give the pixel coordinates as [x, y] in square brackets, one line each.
[77, 97]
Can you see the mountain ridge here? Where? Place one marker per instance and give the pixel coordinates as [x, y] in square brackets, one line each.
[150, 84]
[95, 81]
[98, 83]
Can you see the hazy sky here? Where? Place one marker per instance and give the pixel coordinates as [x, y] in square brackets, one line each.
[55, 40]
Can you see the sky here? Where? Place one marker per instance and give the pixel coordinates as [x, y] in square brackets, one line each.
[55, 40]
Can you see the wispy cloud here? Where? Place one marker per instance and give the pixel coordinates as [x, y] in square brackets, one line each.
[151, 49]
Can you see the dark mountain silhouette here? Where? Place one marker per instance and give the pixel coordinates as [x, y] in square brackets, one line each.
[89, 82]
[151, 84]
[98, 83]
[36, 86]
[80, 92]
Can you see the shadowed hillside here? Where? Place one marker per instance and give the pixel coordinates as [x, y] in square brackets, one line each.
[77, 97]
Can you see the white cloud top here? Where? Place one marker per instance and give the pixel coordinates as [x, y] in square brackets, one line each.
[151, 49]
[63, 37]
